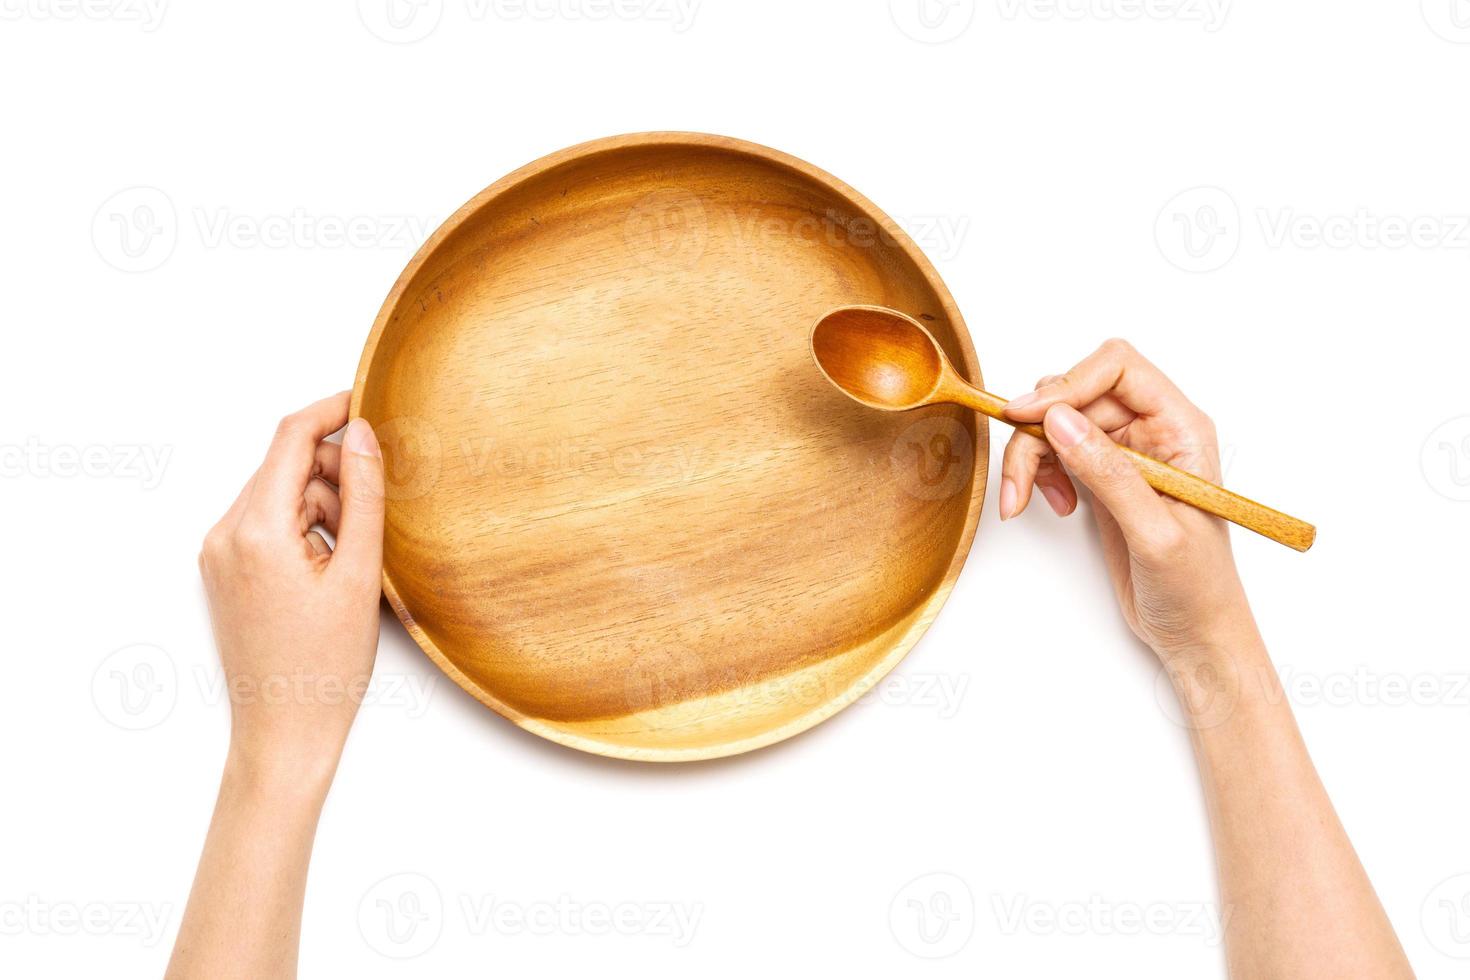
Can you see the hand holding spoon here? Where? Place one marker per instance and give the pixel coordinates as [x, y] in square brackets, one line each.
[885, 359]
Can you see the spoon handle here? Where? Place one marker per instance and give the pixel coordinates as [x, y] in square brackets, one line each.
[1174, 482]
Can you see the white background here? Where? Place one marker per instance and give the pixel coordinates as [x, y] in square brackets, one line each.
[1019, 763]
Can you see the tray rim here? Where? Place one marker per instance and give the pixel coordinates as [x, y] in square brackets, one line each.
[969, 366]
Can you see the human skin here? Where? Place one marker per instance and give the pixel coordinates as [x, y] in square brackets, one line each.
[285, 606]
[1300, 903]
[296, 624]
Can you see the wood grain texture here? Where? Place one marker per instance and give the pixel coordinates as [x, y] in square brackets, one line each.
[624, 509]
[1212, 499]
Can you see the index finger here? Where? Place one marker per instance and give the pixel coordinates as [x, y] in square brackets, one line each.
[1114, 369]
[289, 461]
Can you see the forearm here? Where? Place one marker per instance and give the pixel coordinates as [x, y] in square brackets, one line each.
[244, 913]
[1299, 902]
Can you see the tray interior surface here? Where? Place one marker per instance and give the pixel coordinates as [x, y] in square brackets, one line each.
[625, 509]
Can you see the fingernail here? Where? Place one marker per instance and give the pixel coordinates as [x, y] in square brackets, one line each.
[360, 439]
[1057, 499]
[1023, 401]
[1065, 426]
[1007, 498]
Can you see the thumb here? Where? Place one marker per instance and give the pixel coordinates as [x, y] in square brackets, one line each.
[360, 532]
[1115, 482]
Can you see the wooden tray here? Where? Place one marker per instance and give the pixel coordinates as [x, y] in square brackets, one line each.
[625, 510]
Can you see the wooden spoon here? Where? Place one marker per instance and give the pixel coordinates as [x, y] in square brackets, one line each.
[887, 360]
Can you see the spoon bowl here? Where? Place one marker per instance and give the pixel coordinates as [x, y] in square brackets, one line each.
[879, 357]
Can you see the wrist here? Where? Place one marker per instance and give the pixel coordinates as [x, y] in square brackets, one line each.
[1214, 677]
[1223, 645]
[1214, 626]
[279, 773]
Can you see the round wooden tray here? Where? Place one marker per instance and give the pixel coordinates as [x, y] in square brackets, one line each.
[625, 510]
